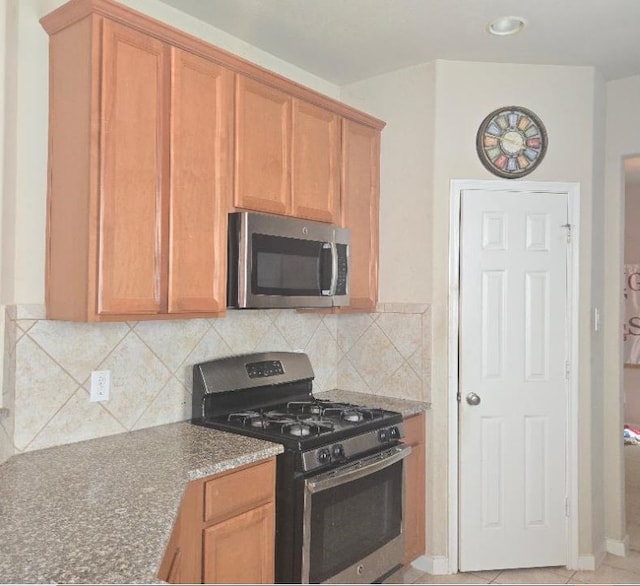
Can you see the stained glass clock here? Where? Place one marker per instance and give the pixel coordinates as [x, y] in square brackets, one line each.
[511, 142]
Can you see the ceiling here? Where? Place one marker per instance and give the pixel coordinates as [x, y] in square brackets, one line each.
[343, 41]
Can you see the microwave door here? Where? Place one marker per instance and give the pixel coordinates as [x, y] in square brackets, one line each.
[289, 272]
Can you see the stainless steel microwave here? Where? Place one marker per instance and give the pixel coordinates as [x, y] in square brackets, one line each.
[276, 261]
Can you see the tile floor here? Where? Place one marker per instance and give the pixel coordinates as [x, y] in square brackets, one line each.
[614, 569]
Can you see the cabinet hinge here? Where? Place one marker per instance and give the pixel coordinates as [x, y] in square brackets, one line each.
[459, 397]
[568, 228]
[567, 370]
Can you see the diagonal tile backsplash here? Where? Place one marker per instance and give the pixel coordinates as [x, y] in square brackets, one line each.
[48, 365]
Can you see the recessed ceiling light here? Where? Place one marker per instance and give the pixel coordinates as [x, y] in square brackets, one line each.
[506, 25]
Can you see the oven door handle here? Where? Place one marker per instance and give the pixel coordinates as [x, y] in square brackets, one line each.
[353, 471]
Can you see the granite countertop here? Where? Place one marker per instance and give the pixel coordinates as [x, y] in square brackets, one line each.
[101, 511]
[406, 406]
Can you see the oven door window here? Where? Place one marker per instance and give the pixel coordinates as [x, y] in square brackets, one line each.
[289, 266]
[352, 520]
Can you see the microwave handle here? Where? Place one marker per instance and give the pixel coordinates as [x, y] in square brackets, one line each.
[329, 267]
[334, 268]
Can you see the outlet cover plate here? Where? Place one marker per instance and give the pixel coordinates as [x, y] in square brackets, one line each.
[100, 385]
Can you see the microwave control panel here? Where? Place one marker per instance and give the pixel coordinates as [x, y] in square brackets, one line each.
[341, 283]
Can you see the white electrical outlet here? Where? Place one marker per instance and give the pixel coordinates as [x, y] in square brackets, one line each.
[100, 384]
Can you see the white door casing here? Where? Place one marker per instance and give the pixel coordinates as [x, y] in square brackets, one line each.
[514, 352]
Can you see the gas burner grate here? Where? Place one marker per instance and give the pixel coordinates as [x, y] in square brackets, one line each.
[315, 407]
[353, 413]
[320, 422]
[243, 417]
[260, 419]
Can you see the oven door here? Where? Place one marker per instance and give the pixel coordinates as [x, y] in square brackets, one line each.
[353, 520]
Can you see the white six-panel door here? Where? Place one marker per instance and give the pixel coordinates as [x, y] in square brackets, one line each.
[513, 356]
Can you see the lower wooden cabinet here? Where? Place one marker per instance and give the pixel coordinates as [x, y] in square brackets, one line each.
[415, 488]
[240, 550]
[225, 530]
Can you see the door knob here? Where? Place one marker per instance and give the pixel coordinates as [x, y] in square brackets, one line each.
[473, 399]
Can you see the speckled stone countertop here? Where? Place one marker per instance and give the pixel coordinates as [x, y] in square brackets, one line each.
[405, 406]
[101, 511]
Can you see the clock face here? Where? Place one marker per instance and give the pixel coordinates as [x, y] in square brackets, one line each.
[511, 142]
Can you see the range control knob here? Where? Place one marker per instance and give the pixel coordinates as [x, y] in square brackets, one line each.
[383, 436]
[324, 456]
[337, 451]
[394, 432]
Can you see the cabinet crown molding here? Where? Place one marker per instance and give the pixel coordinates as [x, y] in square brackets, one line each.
[77, 10]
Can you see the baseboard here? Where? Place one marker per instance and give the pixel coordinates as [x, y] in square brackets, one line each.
[618, 547]
[586, 562]
[592, 561]
[437, 565]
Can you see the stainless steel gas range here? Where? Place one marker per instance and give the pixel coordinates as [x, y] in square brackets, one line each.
[339, 483]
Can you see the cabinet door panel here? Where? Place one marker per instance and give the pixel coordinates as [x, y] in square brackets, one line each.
[131, 206]
[201, 174]
[415, 489]
[360, 193]
[182, 561]
[315, 189]
[241, 549]
[263, 126]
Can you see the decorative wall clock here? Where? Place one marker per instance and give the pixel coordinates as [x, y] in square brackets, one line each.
[511, 142]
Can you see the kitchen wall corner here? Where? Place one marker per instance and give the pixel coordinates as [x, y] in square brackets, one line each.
[48, 364]
[386, 352]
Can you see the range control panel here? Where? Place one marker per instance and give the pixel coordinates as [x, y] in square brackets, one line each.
[264, 369]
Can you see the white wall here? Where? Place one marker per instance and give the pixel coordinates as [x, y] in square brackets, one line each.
[3, 59]
[570, 102]
[622, 139]
[594, 455]
[466, 92]
[8, 69]
[3, 70]
[404, 100]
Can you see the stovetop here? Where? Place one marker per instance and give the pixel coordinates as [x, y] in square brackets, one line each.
[303, 424]
[269, 396]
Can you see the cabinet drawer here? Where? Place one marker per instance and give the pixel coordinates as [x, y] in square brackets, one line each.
[237, 491]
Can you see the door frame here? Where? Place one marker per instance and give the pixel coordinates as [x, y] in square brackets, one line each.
[573, 274]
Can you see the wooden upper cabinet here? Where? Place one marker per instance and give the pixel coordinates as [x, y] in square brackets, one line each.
[154, 136]
[360, 205]
[201, 180]
[315, 189]
[262, 146]
[130, 274]
[287, 154]
[140, 176]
